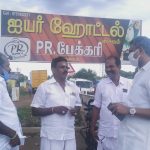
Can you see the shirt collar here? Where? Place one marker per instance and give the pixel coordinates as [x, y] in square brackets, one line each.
[108, 80]
[2, 81]
[52, 80]
[146, 66]
[1, 78]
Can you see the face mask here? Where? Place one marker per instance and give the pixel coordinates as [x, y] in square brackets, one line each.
[133, 61]
[5, 74]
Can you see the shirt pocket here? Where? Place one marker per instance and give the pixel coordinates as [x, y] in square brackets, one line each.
[53, 98]
[106, 98]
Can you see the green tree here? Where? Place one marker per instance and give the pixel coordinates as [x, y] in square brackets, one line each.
[22, 78]
[129, 75]
[86, 74]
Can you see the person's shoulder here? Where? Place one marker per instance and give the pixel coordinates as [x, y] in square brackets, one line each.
[2, 81]
[71, 83]
[123, 79]
[1, 85]
[104, 81]
[45, 83]
[126, 81]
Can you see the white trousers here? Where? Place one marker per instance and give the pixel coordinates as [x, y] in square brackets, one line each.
[107, 143]
[47, 144]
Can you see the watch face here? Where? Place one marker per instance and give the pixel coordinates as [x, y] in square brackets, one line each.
[132, 111]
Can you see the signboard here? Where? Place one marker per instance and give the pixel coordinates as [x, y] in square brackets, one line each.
[41, 37]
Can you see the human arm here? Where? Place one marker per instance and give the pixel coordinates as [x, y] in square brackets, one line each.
[96, 110]
[61, 110]
[14, 138]
[118, 108]
[95, 117]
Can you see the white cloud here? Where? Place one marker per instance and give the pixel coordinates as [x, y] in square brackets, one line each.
[122, 9]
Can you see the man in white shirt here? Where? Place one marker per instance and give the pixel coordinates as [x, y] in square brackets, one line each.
[134, 132]
[57, 101]
[10, 129]
[109, 90]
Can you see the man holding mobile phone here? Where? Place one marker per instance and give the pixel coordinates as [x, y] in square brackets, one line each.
[134, 132]
[109, 90]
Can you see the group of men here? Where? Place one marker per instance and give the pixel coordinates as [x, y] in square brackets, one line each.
[123, 110]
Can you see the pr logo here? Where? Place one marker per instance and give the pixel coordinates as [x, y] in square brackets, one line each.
[16, 48]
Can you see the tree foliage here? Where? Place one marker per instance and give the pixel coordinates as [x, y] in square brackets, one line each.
[129, 75]
[22, 78]
[91, 75]
[86, 74]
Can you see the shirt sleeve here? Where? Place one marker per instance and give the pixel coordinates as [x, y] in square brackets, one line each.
[98, 96]
[39, 98]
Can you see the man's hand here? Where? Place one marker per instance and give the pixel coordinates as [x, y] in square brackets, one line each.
[73, 111]
[14, 138]
[118, 108]
[14, 141]
[61, 110]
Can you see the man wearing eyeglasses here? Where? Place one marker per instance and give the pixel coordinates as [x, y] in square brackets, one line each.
[57, 102]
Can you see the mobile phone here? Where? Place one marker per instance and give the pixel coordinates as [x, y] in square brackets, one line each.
[109, 106]
[120, 116]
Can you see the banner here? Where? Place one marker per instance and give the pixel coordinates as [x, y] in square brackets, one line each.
[41, 37]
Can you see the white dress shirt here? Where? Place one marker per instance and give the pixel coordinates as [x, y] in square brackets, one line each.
[8, 114]
[135, 131]
[107, 92]
[51, 94]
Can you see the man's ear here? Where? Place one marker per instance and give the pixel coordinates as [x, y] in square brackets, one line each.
[137, 52]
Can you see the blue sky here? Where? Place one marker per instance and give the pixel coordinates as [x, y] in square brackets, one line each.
[122, 9]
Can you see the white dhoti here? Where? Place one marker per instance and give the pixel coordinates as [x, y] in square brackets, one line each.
[107, 143]
[134, 134]
[47, 144]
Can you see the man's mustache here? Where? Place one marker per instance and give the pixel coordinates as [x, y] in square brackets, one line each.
[110, 72]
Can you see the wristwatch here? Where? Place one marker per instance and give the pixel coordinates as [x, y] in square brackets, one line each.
[132, 111]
